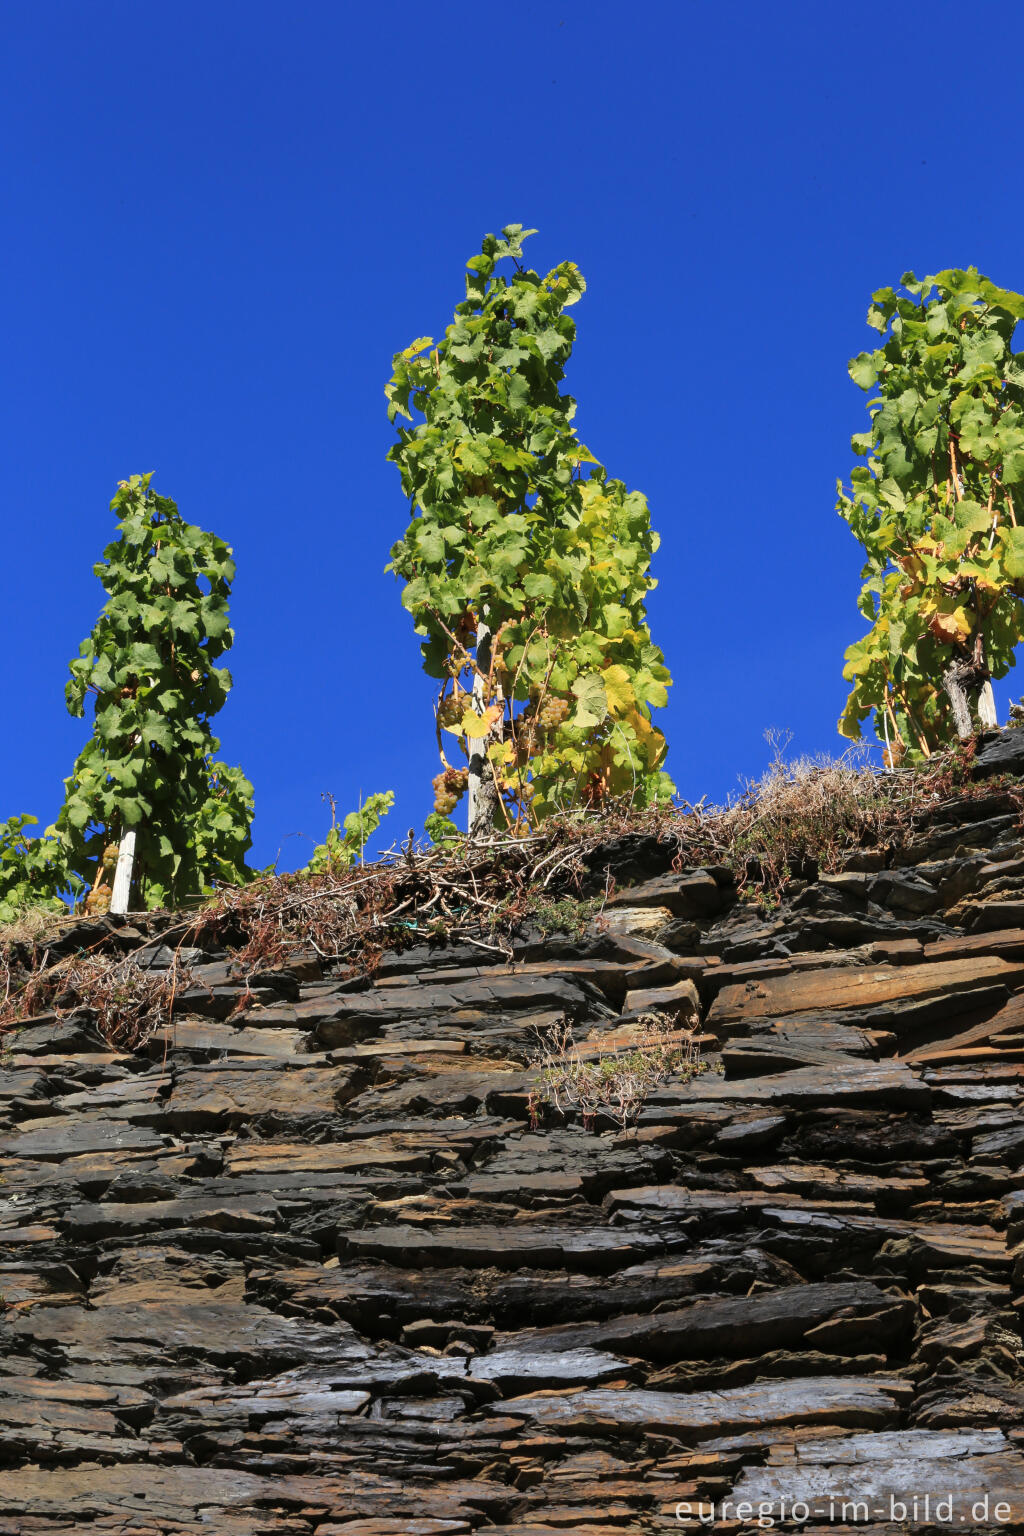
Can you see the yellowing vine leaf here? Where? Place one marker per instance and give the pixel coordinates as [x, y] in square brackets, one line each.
[951, 627]
[618, 689]
[652, 742]
[475, 726]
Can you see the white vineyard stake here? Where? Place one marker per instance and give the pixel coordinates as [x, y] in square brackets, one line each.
[123, 873]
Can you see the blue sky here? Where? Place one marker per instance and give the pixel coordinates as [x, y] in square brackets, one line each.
[223, 219]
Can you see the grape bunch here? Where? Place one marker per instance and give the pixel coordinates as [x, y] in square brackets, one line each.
[552, 712]
[449, 787]
[451, 710]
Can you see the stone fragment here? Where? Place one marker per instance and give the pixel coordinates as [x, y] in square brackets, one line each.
[59, 1137]
[986, 916]
[357, 1015]
[845, 1401]
[866, 1477]
[858, 987]
[689, 895]
[644, 922]
[593, 1248]
[228, 1096]
[679, 1002]
[903, 891]
[998, 752]
[749, 1133]
[837, 1080]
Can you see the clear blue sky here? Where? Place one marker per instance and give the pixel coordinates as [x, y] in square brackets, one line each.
[222, 220]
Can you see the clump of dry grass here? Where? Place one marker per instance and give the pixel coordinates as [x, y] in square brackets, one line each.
[474, 893]
[803, 817]
[33, 925]
[129, 1003]
[810, 811]
[614, 1083]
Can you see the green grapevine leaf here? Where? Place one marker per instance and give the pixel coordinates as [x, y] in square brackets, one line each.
[591, 701]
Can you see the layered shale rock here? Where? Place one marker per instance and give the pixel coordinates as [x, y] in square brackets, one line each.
[317, 1260]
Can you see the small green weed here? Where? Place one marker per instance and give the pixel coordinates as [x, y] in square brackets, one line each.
[567, 914]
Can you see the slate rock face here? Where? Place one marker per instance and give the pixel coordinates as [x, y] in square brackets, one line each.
[314, 1266]
[999, 752]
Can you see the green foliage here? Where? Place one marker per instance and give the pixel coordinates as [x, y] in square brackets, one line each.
[149, 666]
[519, 535]
[442, 831]
[936, 504]
[563, 914]
[344, 846]
[33, 871]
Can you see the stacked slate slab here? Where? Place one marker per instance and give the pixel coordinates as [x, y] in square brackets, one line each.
[314, 1262]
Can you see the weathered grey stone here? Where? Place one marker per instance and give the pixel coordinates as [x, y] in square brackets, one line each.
[688, 895]
[999, 752]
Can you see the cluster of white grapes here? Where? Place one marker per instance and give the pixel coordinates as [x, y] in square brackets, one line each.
[449, 787]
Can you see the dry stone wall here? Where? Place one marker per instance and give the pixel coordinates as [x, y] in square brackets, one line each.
[308, 1267]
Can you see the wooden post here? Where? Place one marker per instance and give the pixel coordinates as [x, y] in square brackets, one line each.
[953, 680]
[123, 873]
[482, 797]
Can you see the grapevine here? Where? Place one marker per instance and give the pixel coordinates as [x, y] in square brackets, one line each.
[525, 566]
[33, 870]
[937, 507]
[344, 846]
[149, 667]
